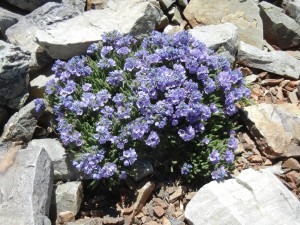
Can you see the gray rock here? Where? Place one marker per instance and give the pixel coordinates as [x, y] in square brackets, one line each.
[21, 126]
[177, 19]
[37, 85]
[165, 4]
[62, 161]
[29, 5]
[243, 14]
[292, 9]
[254, 197]
[215, 36]
[14, 64]
[279, 29]
[78, 5]
[277, 62]
[24, 32]
[72, 37]
[7, 19]
[141, 169]
[25, 186]
[276, 128]
[68, 197]
[87, 221]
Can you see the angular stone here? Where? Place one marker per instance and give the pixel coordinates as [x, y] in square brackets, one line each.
[243, 14]
[177, 19]
[291, 163]
[7, 19]
[112, 220]
[276, 128]
[96, 4]
[179, 192]
[170, 29]
[183, 2]
[143, 193]
[14, 64]
[68, 197]
[216, 36]
[62, 161]
[159, 211]
[38, 85]
[72, 37]
[279, 29]
[249, 194]
[292, 9]
[65, 217]
[277, 62]
[24, 32]
[21, 126]
[25, 187]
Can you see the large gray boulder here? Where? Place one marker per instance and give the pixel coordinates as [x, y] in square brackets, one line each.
[254, 197]
[243, 14]
[25, 186]
[279, 29]
[72, 37]
[216, 36]
[24, 32]
[14, 64]
[277, 62]
[78, 5]
[62, 161]
[276, 128]
[292, 9]
[7, 19]
[21, 126]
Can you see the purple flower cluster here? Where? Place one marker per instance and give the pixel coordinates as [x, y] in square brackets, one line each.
[134, 95]
[39, 104]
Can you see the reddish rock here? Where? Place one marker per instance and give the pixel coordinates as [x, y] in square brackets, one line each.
[255, 159]
[159, 211]
[177, 194]
[160, 202]
[268, 162]
[165, 221]
[65, 217]
[294, 176]
[190, 195]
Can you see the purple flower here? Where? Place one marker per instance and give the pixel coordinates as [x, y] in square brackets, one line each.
[213, 108]
[123, 51]
[205, 141]
[123, 175]
[219, 173]
[214, 157]
[233, 143]
[105, 50]
[187, 134]
[92, 48]
[108, 170]
[129, 157]
[153, 139]
[115, 77]
[229, 156]
[87, 87]
[106, 63]
[39, 104]
[185, 169]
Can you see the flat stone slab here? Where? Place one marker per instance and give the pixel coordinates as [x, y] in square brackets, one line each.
[26, 179]
[254, 197]
[72, 37]
[276, 128]
[277, 62]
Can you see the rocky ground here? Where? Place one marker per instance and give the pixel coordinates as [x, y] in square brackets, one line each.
[38, 184]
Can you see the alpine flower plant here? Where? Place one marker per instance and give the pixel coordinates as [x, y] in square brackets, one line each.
[165, 98]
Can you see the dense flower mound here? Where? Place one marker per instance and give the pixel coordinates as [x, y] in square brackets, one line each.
[165, 98]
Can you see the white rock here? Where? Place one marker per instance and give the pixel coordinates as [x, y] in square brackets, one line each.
[72, 37]
[25, 186]
[276, 128]
[277, 62]
[254, 198]
[165, 4]
[38, 85]
[7, 19]
[215, 36]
